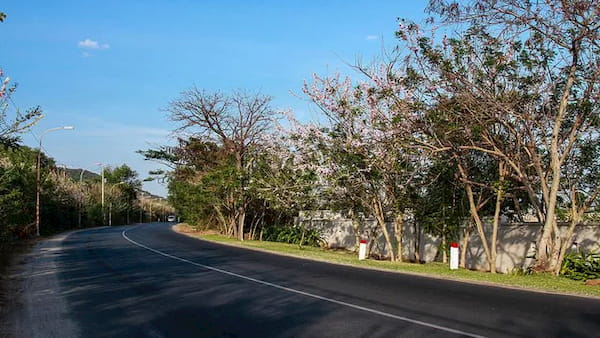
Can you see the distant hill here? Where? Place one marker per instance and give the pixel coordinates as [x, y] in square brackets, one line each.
[75, 174]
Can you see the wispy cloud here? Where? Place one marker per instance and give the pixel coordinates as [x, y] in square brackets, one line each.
[92, 44]
[371, 37]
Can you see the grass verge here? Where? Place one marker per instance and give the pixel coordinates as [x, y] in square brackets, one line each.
[535, 282]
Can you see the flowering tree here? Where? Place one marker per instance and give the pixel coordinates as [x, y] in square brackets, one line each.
[365, 150]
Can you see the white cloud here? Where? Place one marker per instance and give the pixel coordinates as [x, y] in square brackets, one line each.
[92, 44]
[85, 54]
[372, 37]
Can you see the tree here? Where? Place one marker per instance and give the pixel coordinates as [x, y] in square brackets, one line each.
[365, 147]
[234, 122]
[544, 94]
[203, 182]
[121, 191]
[281, 180]
[17, 189]
[10, 127]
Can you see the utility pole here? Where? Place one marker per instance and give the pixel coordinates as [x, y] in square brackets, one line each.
[102, 178]
[80, 198]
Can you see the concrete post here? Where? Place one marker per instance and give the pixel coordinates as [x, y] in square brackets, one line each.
[362, 250]
[453, 256]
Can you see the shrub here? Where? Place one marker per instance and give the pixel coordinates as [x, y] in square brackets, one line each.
[581, 265]
[294, 235]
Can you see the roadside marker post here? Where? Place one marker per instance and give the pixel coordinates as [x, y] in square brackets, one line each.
[362, 249]
[453, 256]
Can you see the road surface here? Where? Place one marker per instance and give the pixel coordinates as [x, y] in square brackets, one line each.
[148, 281]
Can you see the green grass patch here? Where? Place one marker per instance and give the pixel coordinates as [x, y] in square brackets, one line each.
[540, 282]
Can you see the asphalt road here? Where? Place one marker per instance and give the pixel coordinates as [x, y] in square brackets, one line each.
[148, 281]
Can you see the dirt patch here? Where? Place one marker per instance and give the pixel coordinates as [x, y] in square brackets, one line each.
[593, 282]
[188, 229]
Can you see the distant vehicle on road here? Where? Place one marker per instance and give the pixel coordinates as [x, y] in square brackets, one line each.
[171, 218]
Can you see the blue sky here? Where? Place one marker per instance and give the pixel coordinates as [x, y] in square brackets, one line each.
[109, 67]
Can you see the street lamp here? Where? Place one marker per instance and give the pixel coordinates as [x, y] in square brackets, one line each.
[102, 178]
[38, 179]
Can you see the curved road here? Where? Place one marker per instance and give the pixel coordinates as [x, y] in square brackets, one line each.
[148, 281]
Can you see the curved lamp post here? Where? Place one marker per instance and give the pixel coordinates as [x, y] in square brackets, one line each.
[38, 179]
[101, 165]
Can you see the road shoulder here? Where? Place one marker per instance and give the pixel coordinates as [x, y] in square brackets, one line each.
[37, 307]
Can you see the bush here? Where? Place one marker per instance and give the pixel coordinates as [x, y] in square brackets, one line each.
[581, 266]
[294, 235]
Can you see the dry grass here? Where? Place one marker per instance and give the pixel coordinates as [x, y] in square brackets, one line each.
[188, 229]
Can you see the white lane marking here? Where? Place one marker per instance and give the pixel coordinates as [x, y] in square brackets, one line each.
[307, 294]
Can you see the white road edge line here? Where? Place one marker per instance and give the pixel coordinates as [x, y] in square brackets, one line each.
[307, 294]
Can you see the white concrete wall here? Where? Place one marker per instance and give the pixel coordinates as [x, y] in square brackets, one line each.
[516, 243]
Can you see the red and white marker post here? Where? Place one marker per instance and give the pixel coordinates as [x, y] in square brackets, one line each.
[362, 249]
[453, 256]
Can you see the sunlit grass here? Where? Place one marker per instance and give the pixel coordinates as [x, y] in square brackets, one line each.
[540, 282]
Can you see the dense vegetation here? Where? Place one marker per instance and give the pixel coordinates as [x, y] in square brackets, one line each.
[66, 202]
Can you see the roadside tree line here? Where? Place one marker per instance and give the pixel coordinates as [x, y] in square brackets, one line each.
[70, 198]
[486, 109]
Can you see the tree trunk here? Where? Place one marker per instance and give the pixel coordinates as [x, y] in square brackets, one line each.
[444, 246]
[398, 232]
[478, 224]
[576, 219]
[256, 222]
[464, 244]
[241, 220]
[417, 232]
[379, 215]
[566, 243]
[547, 247]
[355, 228]
[221, 220]
[496, 222]
[473, 208]
[372, 238]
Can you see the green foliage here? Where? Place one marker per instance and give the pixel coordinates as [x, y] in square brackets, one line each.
[581, 265]
[122, 173]
[294, 235]
[17, 189]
